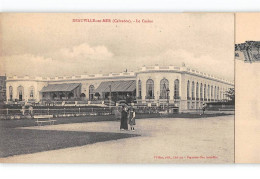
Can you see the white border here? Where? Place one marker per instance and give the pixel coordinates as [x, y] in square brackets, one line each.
[129, 5]
[129, 171]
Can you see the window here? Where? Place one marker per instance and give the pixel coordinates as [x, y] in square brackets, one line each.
[31, 92]
[192, 90]
[150, 89]
[11, 92]
[208, 92]
[215, 93]
[164, 86]
[176, 89]
[20, 93]
[205, 96]
[211, 92]
[139, 89]
[188, 89]
[197, 90]
[91, 92]
[201, 91]
[218, 93]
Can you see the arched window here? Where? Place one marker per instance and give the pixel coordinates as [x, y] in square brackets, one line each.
[211, 92]
[11, 93]
[164, 86]
[208, 92]
[139, 89]
[91, 92]
[215, 93]
[218, 93]
[188, 89]
[149, 89]
[176, 89]
[205, 91]
[31, 92]
[221, 94]
[201, 91]
[20, 93]
[192, 90]
[197, 91]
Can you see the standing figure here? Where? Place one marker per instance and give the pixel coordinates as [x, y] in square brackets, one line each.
[23, 110]
[117, 114]
[204, 108]
[132, 119]
[31, 111]
[124, 124]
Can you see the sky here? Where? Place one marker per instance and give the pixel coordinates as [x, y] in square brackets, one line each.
[51, 44]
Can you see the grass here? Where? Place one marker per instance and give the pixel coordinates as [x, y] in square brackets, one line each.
[22, 141]
[15, 141]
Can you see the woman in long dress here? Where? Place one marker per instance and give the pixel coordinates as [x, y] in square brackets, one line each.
[124, 115]
[132, 119]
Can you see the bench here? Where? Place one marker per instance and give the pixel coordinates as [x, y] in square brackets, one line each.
[40, 122]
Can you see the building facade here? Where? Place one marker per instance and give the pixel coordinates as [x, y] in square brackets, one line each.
[2, 88]
[153, 86]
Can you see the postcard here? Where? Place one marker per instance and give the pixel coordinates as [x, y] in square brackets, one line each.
[129, 88]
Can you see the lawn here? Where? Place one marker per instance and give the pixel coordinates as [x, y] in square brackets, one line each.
[23, 141]
[16, 141]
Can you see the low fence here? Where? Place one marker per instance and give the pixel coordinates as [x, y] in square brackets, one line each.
[13, 113]
[77, 111]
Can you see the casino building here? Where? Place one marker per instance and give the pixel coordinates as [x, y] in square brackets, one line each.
[149, 86]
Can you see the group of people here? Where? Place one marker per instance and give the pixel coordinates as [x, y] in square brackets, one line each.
[30, 109]
[127, 118]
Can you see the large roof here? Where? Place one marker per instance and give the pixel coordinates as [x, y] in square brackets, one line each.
[60, 87]
[117, 86]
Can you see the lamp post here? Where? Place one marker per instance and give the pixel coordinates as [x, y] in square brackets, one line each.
[167, 91]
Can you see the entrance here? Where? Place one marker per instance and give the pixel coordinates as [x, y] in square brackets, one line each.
[20, 95]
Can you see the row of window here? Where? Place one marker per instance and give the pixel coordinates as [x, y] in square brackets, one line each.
[204, 91]
[164, 89]
[20, 91]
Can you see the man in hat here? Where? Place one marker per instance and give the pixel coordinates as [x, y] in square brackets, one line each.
[204, 108]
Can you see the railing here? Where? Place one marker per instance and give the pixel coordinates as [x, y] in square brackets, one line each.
[69, 102]
[75, 111]
[96, 102]
[82, 102]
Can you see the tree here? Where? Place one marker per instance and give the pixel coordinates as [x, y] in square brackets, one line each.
[231, 94]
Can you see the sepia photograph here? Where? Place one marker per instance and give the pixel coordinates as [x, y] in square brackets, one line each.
[119, 87]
